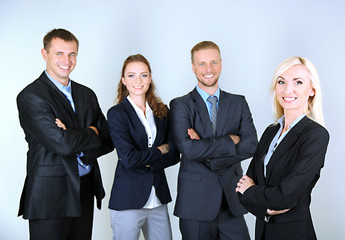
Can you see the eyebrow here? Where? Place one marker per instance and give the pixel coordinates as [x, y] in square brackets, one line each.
[297, 78]
[135, 72]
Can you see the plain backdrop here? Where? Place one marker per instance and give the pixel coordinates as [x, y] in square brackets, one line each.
[254, 37]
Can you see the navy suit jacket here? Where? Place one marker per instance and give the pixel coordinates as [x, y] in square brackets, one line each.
[133, 180]
[52, 184]
[291, 174]
[210, 167]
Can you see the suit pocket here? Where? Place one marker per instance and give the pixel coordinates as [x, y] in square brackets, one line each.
[190, 176]
[51, 171]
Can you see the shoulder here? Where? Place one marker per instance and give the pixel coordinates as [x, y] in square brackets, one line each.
[232, 96]
[118, 109]
[83, 88]
[35, 90]
[310, 127]
[184, 98]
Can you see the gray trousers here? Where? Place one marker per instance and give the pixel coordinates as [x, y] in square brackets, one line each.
[154, 223]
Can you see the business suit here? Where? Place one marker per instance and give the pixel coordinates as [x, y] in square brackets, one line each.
[133, 179]
[291, 174]
[52, 184]
[210, 167]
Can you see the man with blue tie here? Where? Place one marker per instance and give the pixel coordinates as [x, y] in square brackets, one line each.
[66, 132]
[214, 132]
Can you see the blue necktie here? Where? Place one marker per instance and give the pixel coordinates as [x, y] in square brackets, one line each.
[213, 101]
[67, 91]
[83, 168]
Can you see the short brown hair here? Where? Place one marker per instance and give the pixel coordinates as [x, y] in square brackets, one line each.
[58, 33]
[204, 45]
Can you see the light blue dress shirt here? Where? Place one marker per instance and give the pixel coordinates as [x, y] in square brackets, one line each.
[278, 138]
[204, 95]
[83, 168]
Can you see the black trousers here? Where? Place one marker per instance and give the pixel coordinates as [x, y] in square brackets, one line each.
[224, 227]
[68, 228]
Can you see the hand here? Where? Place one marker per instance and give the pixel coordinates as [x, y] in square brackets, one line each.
[276, 212]
[236, 139]
[164, 148]
[244, 183]
[60, 124]
[95, 129]
[192, 134]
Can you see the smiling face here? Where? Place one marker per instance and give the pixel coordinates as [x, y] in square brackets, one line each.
[293, 90]
[207, 66]
[61, 59]
[137, 79]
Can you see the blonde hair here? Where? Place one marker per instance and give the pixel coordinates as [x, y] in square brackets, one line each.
[314, 102]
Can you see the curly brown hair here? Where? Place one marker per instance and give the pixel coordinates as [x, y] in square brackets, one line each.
[158, 107]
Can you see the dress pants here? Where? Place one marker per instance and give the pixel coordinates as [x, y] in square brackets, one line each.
[155, 223]
[68, 228]
[224, 227]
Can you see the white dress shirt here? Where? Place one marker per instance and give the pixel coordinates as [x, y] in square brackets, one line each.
[148, 121]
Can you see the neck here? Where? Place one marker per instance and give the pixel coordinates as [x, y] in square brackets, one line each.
[210, 90]
[63, 81]
[290, 117]
[140, 101]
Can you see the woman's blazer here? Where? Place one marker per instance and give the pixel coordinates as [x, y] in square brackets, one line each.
[133, 179]
[291, 174]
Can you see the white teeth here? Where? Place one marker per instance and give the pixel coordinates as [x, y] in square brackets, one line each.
[64, 67]
[209, 76]
[289, 99]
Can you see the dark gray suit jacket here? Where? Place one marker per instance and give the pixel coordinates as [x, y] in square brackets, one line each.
[51, 188]
[211, 165]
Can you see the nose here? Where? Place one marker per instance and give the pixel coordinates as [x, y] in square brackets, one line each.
[289, 87]
[67, 59]
[138, 79]
[209, 67]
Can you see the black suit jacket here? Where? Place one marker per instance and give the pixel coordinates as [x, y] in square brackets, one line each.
[291, 174]
[51, 188]
[133, 180]
[211, 165]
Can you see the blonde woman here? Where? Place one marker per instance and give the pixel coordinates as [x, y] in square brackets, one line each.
[290, 155]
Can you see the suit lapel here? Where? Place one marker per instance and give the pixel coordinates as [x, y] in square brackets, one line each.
[57, 94]
[285, 145]
[201, 108]
[133, 117]
[265, 142]
[223, 109]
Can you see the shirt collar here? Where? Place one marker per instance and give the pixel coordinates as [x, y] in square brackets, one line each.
[282, 120]
[136, 108]
[57, 83]
[204, 95]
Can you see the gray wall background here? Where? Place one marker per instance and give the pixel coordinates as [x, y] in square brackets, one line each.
[254, 37]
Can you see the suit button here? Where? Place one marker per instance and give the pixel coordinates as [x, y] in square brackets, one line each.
[207, 160]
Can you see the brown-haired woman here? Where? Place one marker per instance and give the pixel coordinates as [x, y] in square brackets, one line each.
[138, 126]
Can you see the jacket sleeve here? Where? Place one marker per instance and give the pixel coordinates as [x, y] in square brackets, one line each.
[172, 157]
[104, 136]
[220, 150]
[37, 118]
[302, 177]
[247, 145]
[130, 155]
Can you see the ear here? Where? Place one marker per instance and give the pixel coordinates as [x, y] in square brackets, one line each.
[312, 93]
[193, 67]
[123, 81]
[44, 54]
